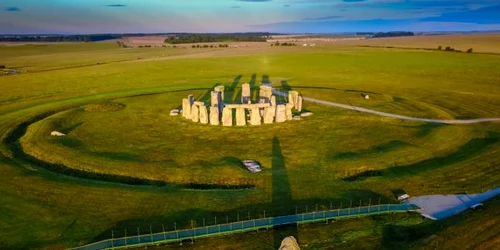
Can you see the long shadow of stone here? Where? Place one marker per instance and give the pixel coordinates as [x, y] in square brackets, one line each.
[254, 90]
[281, 194]
[386, 147]
[229, 93]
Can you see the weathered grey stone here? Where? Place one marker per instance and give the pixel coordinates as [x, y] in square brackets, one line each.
[241, 119]
[215, 99]
[247, 106]
[265, 93]
[281, 113]
[191, 99]
[306, 114]
[298, 104]
[269, 113]
[214, 116]
[288, 111]
[227, 117]
[195, 113]
[273, 101]
[174, 112]
[255, 118]
[186, 108]
[198, 103]
[245, 93]
[203, 114]
[292, 97]
[220, 89]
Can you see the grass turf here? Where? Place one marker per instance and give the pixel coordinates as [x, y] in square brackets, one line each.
[305, 163]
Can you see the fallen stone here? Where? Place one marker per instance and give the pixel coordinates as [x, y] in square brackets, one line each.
[57, 133]
[296, 117]
[174, 112]
[306, 114]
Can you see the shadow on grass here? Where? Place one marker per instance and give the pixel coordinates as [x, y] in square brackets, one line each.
[473, 147]
[383, 148]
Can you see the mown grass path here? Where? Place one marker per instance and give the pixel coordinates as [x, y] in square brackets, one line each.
[359, 109]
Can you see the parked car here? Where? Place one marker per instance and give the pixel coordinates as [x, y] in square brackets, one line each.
[252, 166]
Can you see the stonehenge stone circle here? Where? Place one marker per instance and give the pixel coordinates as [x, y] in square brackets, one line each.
[269, 108]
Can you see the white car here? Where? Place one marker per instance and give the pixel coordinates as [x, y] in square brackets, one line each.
[252, 166]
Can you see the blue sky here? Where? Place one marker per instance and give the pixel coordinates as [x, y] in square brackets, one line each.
[297, 16]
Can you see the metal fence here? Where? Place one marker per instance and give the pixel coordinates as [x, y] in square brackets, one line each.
[244, 226]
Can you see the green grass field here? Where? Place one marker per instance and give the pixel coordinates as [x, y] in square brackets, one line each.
[116, 115]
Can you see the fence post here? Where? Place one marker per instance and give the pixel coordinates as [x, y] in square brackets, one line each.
[125, 236]
[369, 204]
[359, 208]
[112, 239]
[163, 228]
[151, 232]
[138, 235]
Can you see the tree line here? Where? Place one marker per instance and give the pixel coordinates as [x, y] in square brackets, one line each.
[209, 38]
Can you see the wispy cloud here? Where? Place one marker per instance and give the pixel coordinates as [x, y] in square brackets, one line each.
[321, 18]
[12, 9]
[255, 1]
[116, 5]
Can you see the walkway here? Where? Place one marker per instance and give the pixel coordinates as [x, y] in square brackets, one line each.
[438, 207]
[244, 226]
[379, 113]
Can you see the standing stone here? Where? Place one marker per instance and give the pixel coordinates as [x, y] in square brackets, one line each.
[255, 118]
[203, 114]
[195, 113]
[186, 108]
[288, 111]
[273, 101]
[220, 89]
[298, 104]
[292, 97]
[191, 99]
[215, 99]
[269, 114]
[265, 93]
[281, 113]
[227, 117]
[245, 93]
[241, 119]
[214, 116]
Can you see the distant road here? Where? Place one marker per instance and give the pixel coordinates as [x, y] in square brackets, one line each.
[379, 113]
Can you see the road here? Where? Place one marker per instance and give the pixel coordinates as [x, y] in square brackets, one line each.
[379, 113]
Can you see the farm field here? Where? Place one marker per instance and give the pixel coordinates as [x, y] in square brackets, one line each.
[127, 166]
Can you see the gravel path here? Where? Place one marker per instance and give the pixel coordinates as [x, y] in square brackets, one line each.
[409, 118]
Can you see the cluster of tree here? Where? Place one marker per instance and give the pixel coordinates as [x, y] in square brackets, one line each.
[448, 48]
[149, 46]
[121, 44]
[208, 38]
[58, 38]
[210, 46]
[2, 66]
[392, 34]
[283, 44]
